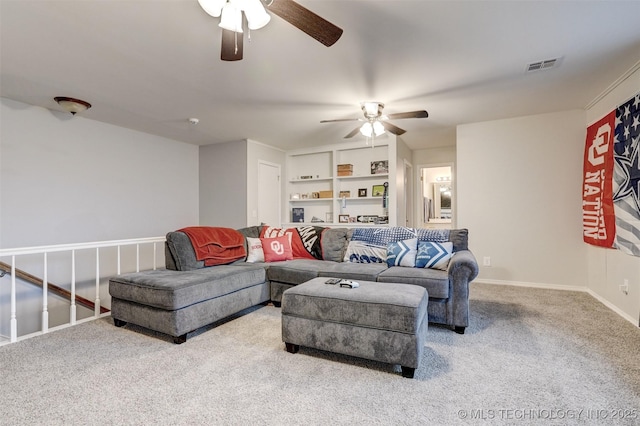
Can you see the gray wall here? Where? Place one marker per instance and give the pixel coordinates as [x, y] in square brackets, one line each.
[223, 184]
[68, 179]
[519, 193]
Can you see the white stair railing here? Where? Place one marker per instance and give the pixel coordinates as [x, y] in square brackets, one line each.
[16, 253]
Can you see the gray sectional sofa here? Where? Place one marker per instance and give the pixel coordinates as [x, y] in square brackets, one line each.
[188, 295]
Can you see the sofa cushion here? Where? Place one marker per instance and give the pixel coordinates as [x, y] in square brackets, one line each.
[171, 290]
[434, 280]
[460, 239]
[353, 271]
[181, 256]
[251, 231]
[334, 243]
[295, 271]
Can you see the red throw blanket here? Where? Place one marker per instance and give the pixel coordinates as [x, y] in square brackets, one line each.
[214, 245]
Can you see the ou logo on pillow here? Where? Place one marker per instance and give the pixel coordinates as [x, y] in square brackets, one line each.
[276, 249]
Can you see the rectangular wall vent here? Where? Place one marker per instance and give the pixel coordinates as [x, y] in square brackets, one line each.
[543, 65]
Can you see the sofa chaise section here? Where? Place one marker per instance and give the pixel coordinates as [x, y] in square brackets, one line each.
[177, 302]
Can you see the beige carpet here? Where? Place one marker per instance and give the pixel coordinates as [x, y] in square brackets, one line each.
[530, 356]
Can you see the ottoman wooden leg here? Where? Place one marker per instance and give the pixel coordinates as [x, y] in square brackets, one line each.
[407, 372]
[291, 348]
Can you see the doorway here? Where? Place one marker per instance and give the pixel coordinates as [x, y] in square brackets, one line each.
[436, 197]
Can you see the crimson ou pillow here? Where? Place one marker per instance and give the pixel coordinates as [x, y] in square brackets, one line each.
[277, 249]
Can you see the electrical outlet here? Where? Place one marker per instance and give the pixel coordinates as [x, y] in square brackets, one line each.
[624, 287]
[486, 261]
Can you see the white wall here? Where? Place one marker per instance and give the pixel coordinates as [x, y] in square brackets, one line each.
[69, 179]
[431, 156]
[223, 184]
[519, 194]
[608, 268]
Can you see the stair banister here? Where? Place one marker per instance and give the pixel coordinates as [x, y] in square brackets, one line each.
[48, 287]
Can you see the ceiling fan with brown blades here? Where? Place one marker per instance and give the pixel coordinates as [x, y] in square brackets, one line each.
[375, 123]
[231, 22]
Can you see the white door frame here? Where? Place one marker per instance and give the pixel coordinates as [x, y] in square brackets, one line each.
[409, 195]
[277, 192]
[418, 194]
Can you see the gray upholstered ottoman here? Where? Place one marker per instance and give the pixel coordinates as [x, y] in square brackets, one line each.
[384, 322]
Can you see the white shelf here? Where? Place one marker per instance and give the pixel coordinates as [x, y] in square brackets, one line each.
[311, 200]
[377, 176]
[311, 180]
[367, 199]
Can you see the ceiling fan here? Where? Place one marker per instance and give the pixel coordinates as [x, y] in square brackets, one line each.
[375, 123]
[230, 13]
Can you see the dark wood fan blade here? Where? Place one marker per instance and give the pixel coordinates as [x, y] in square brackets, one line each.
[353, 133]
[304, 19]
[412, 114]
[228, 51]
[340, 119]
[393, 129]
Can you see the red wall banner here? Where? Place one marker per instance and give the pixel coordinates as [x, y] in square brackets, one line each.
[598, 216]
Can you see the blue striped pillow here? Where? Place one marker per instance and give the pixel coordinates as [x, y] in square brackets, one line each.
[434, 255]
[402, 253]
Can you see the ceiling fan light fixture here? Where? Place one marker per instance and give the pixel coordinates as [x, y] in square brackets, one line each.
[366, 129]
[369, 129]
[256, 14]
[378, 128]
[72, 105]
[231, 18]
[372, 109]
[212, 7]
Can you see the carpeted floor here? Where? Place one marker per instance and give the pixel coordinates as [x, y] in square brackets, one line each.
[530, 356]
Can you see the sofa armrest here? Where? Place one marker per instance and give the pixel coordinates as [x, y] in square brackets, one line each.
[463, 265]
[463, 268]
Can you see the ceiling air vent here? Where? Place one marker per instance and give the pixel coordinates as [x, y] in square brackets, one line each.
[543, 65]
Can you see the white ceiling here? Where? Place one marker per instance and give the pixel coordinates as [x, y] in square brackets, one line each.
[149, 65]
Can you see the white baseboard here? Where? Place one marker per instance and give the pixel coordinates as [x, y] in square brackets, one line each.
[624, 315]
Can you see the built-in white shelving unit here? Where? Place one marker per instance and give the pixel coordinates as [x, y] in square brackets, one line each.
[313, 184]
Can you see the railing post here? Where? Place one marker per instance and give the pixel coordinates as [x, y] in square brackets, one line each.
[96, 308]
[155, 253]
[45, 297]
[118, 259]
[137, 257]
[72, 308]
[14, 320]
